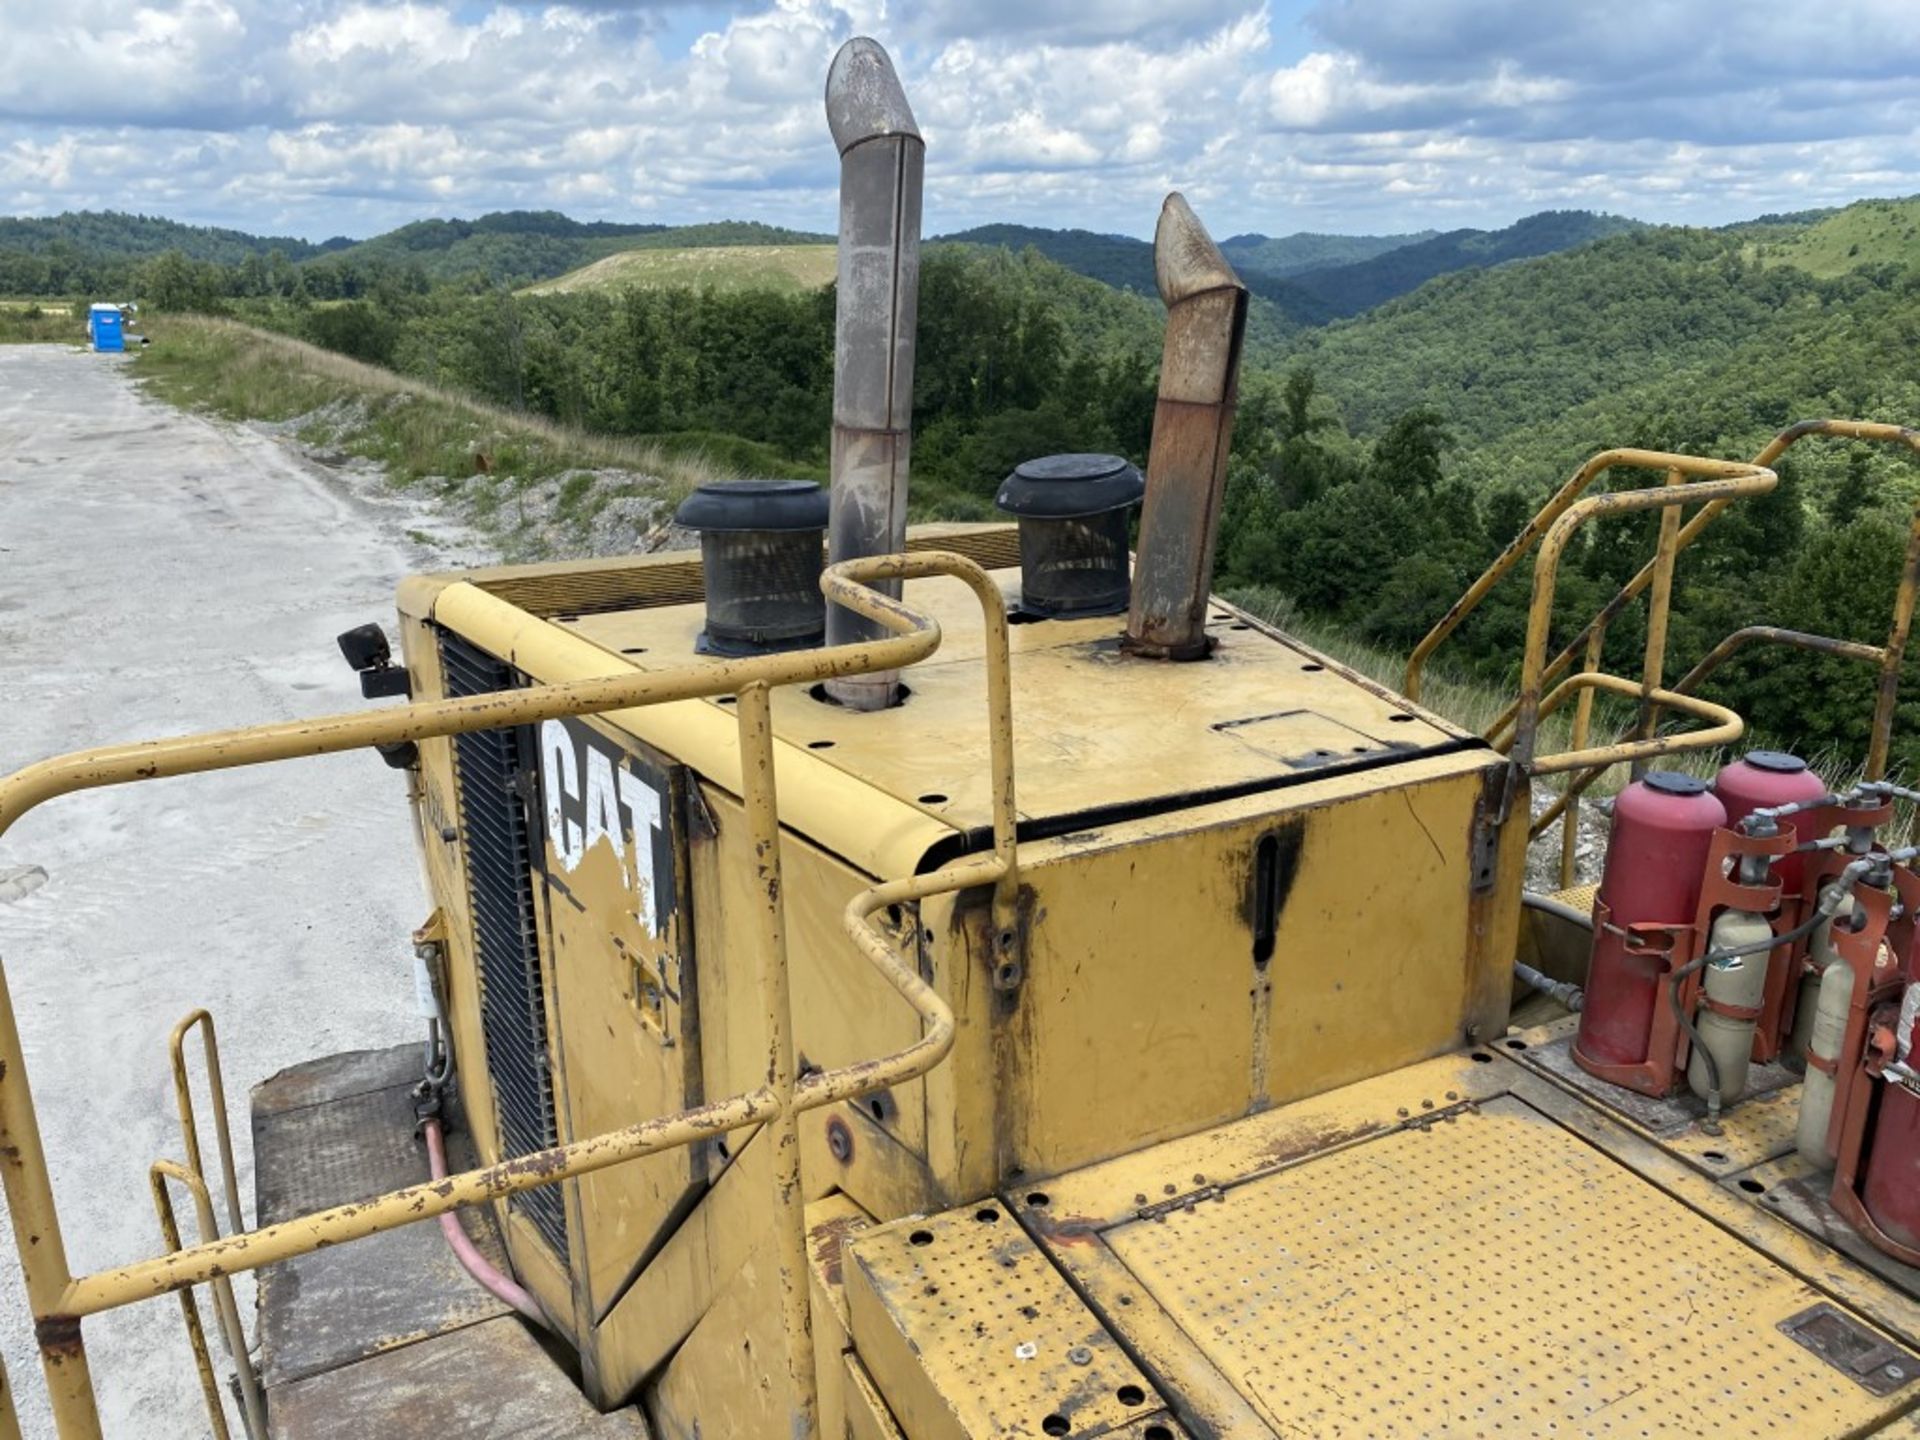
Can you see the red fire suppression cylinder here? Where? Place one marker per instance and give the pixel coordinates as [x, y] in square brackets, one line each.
[1891, 1193]
[1656, 859]
[1762, 780]
[1892, 1189]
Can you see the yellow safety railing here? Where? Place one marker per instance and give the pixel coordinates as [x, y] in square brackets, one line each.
[193, 1175]
[1689, 480]
[60, 1300]
[1656, 575]
[1887, 658]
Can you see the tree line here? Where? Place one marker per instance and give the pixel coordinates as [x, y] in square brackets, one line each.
[1376, 528]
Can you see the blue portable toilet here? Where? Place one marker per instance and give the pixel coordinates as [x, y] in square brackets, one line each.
[103, 328]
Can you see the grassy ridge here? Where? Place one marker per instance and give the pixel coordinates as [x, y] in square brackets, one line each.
[1873, 232]
[786, 269]
[28, 322]
[536, 488]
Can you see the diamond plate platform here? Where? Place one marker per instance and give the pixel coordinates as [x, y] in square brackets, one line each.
[333, 1132]
[971, 1333]
[388, 1338]
[1465, 1248]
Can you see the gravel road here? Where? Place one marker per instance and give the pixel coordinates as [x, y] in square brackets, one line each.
[161, 574]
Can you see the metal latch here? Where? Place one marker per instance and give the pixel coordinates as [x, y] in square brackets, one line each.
[1185, 1201]
[1875, 1364]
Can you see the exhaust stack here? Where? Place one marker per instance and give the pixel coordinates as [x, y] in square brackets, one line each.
[882, 159]
[1192, 428]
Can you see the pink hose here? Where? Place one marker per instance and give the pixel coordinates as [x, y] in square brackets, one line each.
[465, 1250]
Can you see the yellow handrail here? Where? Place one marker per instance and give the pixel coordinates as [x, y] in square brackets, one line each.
[1888, 657]
[253, 1404]
[59, 1300]
[1891, 654]
[1732, 480]
[1555, 507]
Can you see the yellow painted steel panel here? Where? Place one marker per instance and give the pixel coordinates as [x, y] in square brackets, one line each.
[1383, 952]
[866, 1412]
[969, 1332]
[1487, 1273]
[1263, 708]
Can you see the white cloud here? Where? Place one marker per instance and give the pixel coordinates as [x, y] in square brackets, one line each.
[354, 115]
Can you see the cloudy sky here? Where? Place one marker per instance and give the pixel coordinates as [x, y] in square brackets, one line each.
[323, 117]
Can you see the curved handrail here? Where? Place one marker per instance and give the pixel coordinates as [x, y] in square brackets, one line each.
[1834, 429]
[1686, 685]
[1724, 728]
[1736, 480]
[1563, 498]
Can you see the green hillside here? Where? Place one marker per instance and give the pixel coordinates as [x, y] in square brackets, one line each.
[1660, 335]
[1117, 260]
[783, 268]
[112, 233]
[520, 247]
[1285, 256]
[1873, 232]
[1349, 289]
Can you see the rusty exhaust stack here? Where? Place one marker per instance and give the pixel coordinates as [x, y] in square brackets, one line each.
[1192, 427]
[881, 162]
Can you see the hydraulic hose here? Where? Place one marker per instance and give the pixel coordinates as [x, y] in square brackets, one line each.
[1565, 991]
[1547, 905]
[502, 1287]
[1822, 912]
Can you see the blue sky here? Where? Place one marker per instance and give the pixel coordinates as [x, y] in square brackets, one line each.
[322, 117]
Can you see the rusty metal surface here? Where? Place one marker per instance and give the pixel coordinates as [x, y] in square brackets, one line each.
[1871, 1361]
[882, 162]
[1192, 429]
[970, 1333]
[490, 1381]
[349, 1142]
[1757, 1136]
[335, 1077]
[1797, 1192]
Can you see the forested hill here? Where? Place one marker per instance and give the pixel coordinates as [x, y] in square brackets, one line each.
[114, 234]
[1288, 255]
[1311, 279]
[1349, 289]
[1117, 260]
[519, 247]
[1675, 337]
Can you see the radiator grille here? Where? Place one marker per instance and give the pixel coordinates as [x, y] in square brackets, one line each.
[506, 946]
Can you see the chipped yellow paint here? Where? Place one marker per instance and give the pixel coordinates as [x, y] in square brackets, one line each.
[970, 1333]
[867, 1415]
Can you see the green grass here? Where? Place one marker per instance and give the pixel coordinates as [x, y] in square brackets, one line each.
[788, 269]
[40, 322]
[413, 428]
[491, 467]
[1872, 232]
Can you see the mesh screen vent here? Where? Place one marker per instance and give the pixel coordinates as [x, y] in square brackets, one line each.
[499, 855]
